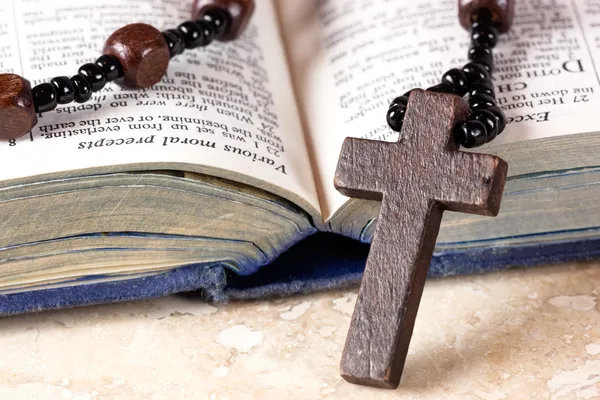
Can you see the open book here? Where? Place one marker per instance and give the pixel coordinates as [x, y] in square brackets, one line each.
[229, 161]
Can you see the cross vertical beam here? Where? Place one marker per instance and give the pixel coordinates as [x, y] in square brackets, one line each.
[417, 178]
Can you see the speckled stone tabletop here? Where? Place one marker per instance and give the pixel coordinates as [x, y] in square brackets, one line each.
[520, 334]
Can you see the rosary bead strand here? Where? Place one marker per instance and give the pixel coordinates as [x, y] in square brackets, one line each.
[486, 120]
[138, 54]
[239, 13]
[502, 12]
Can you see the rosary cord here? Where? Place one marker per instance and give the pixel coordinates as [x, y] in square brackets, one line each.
[486, 120]
[92, 77]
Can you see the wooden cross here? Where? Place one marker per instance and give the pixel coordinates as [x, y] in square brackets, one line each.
[416, 178]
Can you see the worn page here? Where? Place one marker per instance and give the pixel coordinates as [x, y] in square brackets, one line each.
[350, 58]
[227, 109]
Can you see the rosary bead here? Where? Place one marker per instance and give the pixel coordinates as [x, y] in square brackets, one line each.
[470, 134]
[483, 87]
[83, 89]
[488, 119]
[500, 12]
[395, 116]
[175, 42]
[94, 75]
[475, 73]
[500, 117]
[196, 34]
[481, 101]
[219, 20]
[443, 87]
[458, 80]
[65, 89]
[17, 111]
[207, 30]
[240, 11]
[111, 67]
[483, 56]
[142, 52]
[402, 100]
[484, 35]
[45, 97]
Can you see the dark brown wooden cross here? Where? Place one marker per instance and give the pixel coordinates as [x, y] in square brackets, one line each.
[416, 178]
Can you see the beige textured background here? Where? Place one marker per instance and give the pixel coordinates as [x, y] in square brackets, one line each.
[515, 335]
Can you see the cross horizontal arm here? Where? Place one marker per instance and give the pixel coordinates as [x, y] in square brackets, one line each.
[472, 183]
[360, 171]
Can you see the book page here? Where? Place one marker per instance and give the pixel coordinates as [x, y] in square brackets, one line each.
[227, 109]
[350, 58]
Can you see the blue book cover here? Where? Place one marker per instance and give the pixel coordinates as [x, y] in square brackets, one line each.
[321, 262]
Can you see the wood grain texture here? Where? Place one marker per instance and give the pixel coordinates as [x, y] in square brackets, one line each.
[503, 12]
[143, 53]
[416, 178]
[17, 111]
[240, 10]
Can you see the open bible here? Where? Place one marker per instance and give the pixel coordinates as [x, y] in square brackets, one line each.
[228, 162]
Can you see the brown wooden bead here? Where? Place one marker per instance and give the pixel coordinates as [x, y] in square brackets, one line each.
[17, 111]
[143, 53]
[240, 10]
[502, 11]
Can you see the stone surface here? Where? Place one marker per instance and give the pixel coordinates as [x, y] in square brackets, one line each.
[519, 334]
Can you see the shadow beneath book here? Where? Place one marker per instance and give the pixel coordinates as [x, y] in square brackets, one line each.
[323, 261]
[328, 261]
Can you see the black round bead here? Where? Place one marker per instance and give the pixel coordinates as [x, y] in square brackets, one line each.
[483, 56]
[219, 21]
[488, 119]
[192, 34]
[470, 134]
[458, 80]
[443, 87]
[483, 87]
[500, 117]
[480, 101]
[94, 75]
[83, 89]
[45, 97]
[475, 73]
[484, 34]
[402, 100]
[175, 42]
[395, 116]
[196, 34]
[207, 30]
[111, 67]
[64, 89]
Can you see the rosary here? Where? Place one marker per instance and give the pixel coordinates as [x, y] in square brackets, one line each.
[138, 55]
[416, 178]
